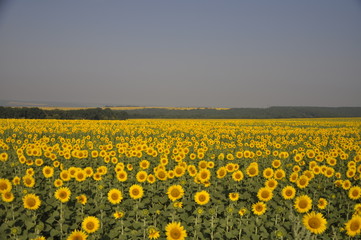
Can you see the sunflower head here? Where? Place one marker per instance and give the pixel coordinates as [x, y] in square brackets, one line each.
[303, 204]
[115, 196]
[259, 208]
[136, 191]
[175, 231]
[90, 224]
[353, 226]
[202, 197]
[77, 235]
[175, 192]
[31, 201]
[314, 222]
[63, 194]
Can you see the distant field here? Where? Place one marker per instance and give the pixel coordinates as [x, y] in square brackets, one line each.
[130, 108]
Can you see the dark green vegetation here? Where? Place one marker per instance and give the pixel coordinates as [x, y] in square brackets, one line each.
[248, 113]
[37, 113]
[201, 113]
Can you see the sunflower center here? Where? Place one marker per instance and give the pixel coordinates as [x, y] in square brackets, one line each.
[90, 225]
[259, 208]
[289, 193]
[252, 171]
[62, 195]
[175, 192]
[355, 193]
[114, 196]
[265, 194]
[202, 198]
[175, 233]
[28, 181]
[31, 202]
[303, 204]
[3, 186]
[355, 225]
[314, 223]
[135, 191]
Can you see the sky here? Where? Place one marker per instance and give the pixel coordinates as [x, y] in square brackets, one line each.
[189, 53]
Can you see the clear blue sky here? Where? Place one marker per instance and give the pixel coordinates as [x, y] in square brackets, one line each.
[182, 53]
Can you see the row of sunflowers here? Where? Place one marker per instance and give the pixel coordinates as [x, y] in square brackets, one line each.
[180, 179]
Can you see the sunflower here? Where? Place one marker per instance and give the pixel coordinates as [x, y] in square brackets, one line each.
[276, 163]
[242, 211]
[322, 203]
[48, 171]
[7, 196]
[153, 233]
[90, 224]
[175, 192]
[136, 191]
[29, 181]
[122, 176]
[5, 185]
[144, 164]
[161, 174]
[82, 199]
[151, 178]
[268, 173]
[221, 172]
[303, 204]
[118, 215]
[346, 184]
[175, 231]
[88, 171]
[237, 175]
[252, 170]
[279, 174]
[271, 183]
[293, 177]
[179, 171]
[80, 176]
[354, 193]
[62, 194]
[265, 194]
[202, 197]
[233, 196]
[16, 180]
[204, 175]
[115, 196]
[353, 226]
[288, 192]
[302, 182]
[31, 201]
[259, 208]
[77, 235]
[314, 222]
[142, 176]
[58, 183]
[65, 175]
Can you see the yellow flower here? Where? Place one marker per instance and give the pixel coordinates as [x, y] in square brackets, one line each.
[314, 222]
[303, 204]
[175, 192]
[288, 192]
[354, 193]
[204, 175]
[115, 196]
[242, 212]
[175, 231]
[136, 191]
[7, 196]
[233, 196]
[77, 235]
[265, 194]
[353, 226]
[268, 173]
[202, 197]
[5, 185]
[80, 176]
[48, 171]
[62, 194]
[259, 208]
[31, 201]
[82, 199]
[237, 176]
[153, 233]
[29, 181]
[118, 215]
[322, 203]
[221, 172]
[90, 224]
[142, 176]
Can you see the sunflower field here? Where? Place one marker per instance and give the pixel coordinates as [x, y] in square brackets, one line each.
[180, 179]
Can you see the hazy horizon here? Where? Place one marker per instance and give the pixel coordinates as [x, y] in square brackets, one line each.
[182, 53]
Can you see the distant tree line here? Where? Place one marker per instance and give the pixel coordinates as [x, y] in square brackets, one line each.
[38, 113]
